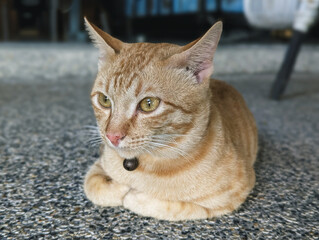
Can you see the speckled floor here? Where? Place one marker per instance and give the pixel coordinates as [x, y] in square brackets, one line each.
[44, 157]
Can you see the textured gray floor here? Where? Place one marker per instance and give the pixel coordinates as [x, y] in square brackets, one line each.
[43, 158]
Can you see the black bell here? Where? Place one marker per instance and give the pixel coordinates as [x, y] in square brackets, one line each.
[130, 164]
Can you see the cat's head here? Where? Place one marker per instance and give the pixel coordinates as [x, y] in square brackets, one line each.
[152, 98]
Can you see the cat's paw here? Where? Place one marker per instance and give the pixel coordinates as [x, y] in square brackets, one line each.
[137, 202]
[103, 191]
[145, 205]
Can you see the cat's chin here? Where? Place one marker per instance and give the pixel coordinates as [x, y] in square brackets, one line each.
[125, 153]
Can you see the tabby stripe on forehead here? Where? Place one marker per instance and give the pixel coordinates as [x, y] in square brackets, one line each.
[119, 78]
[138, 88]
[129, 67]
[137, 62]
[134, 77]
[122, 66]
[107, 86]
[116, 78]
[130, 81]
[147, 59]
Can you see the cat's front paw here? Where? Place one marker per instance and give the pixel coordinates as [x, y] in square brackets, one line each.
[102, 190]
[136, 201]
[144, 204]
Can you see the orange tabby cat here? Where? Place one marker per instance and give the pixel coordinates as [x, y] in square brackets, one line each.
[177, 144]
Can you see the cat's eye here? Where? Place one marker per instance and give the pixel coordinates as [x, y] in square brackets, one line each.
[104, 101]
[149, 104]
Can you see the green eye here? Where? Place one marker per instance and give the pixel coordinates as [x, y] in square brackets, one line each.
[104, 101]
[149, 104]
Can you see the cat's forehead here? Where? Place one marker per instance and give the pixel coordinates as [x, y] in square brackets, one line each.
[137, 56]
[128, 70]
[149, 50]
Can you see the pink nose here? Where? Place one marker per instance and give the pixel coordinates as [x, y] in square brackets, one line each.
[115, 138]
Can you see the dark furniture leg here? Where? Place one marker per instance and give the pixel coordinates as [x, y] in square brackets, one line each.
[286, 68]
[5, 22]
[53, 20]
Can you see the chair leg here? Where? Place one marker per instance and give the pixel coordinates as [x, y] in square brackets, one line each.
[287, 65]
[53, 20]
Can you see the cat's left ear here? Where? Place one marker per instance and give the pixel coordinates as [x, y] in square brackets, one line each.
[106, 44]
[197, 56]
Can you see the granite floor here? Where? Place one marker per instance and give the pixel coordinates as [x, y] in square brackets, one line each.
[44, 157]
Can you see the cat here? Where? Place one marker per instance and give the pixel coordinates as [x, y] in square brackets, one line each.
[177, 145]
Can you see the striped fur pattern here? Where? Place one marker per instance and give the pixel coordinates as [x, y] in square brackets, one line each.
[196, 150]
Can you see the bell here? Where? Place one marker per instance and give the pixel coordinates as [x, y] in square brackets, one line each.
[130, 164]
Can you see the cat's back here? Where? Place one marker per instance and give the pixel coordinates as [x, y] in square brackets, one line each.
[237, 120]
[224, 94]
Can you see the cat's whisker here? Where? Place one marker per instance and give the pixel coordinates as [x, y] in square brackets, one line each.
[171, 134]
[167, 154]
[162, 153]
[161, 140]
[168, 138]
[90, 127]
[164, 140]
[95, 140]
[174, 149]
[93, 134]
[92, 144]
[94, 137]
[177, 150]
[144, 149]
[174, 136]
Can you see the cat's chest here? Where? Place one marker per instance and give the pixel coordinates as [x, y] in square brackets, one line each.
[171, 187]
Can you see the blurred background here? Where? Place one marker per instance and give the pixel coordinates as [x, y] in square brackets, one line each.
[152, 20]
[276, 28]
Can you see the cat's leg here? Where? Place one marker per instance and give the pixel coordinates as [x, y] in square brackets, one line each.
[145, 205]
[101, 189]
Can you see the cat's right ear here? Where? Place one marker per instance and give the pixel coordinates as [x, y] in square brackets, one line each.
[106, 44]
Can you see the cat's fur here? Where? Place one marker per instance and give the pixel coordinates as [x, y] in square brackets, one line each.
[196, 150]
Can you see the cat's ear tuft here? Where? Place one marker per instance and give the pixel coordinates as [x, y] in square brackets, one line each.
[198, 55]
[106, 44]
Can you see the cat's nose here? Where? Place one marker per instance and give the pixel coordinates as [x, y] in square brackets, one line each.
[115, 138]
